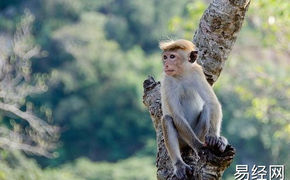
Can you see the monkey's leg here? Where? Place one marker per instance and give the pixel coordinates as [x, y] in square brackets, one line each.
[181, 124]
[186, 132]
[172, 145]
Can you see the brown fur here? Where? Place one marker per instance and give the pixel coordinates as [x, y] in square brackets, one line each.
[178, 44]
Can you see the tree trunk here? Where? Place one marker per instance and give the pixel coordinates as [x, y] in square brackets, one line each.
[214, 38]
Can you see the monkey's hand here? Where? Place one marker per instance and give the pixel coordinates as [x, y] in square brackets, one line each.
[216, 142]
[181, 169]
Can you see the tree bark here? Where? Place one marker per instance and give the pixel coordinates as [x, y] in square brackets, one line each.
[214, 38]
[217, 33]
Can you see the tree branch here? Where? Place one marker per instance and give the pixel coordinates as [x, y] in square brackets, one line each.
[36, 123]
[217, 33]
[16, 84]
[215, 37]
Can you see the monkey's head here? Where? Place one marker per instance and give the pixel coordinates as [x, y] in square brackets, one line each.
[177, 56]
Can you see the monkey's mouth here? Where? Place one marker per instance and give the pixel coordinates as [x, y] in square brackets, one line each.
[168, 70]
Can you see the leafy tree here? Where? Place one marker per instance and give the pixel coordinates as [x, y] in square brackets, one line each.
[256, 97]
[100, 88]
[96, 55]
[140, 22]
[15, 166]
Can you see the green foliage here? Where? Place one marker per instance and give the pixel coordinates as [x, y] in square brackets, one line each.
[185, 26]
[99, 53]
[5, 4]
[256, 97]
[102, 93]
[271, 19]
[267, 22]
[144, 21]
[123, 170]
[14, 166]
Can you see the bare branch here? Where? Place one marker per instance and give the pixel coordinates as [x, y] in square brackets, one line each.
[16, 83]
[36, 123]
[7, 143]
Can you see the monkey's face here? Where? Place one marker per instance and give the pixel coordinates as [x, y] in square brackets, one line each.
[173, 62]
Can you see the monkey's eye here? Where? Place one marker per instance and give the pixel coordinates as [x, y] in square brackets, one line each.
[164, 57]
[172, 56]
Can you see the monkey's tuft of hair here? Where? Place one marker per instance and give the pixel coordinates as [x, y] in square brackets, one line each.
[178, 44]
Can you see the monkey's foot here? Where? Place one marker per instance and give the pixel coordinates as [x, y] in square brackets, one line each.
[181, 170]
[220, 159]
[214, 142]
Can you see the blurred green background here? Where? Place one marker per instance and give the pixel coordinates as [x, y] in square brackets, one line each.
[95, 55]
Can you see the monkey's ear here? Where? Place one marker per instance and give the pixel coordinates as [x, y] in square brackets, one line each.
[193, 56]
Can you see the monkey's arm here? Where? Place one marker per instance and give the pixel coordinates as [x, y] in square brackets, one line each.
[202, 126]
[182, 126]
[212, 105]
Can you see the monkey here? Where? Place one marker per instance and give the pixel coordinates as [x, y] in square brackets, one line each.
[192, 114]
